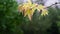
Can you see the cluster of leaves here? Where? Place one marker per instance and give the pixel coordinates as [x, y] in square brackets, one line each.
[28, 9]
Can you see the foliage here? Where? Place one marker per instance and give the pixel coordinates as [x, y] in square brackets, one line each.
[8, 17]
[28, 9]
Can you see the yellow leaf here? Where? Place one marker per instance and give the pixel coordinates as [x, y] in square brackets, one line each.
[44, 12]
[29, 1]
[29, 13]
[40, 7]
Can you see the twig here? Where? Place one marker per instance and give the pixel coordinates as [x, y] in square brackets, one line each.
[53, 4]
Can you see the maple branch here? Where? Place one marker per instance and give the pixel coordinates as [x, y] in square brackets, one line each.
[53, 4]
